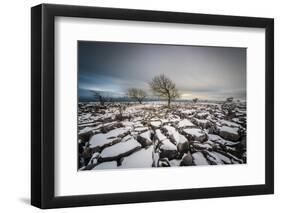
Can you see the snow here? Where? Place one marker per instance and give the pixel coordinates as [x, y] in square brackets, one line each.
[155, 123]
[155, 157]
[203, 145]
[175, 162]
[102, 139]
[194, 132]
[213, 137]
[127, 123]
[120, 148]
[139, 159]
[85, 129]
[236, 120]
[106, 165]
[174, 118]
[99, 140]
[185, 123]
[230, 143]
[179, 138]
[146, 135]
[164, 121]
[171, 130]
[188, 111]
[217, 139]
[126, 138]
[141, 129]
[229, 123]
[168, 145]
[116, 132]
[202, 114]
[214, 157]
[202, 121]
[220, 140]
[228, 129]
[86, 116]
[199, 159]
[223, 158]
[94, 158]
[159, 135]
[138, 124]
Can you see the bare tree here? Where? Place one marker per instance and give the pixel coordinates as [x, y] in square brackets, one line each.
[137, 94]
[164, 88]
[230, 99]
[195, 100]
[98, 96]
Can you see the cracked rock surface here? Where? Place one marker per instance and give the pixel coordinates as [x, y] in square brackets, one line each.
[152, 135]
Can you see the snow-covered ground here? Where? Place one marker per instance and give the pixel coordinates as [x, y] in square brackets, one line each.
[131, 135]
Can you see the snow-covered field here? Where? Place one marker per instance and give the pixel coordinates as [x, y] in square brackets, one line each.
[131, 135]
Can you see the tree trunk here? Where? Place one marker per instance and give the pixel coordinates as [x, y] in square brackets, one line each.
[169, 102]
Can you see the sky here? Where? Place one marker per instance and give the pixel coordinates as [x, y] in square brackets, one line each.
[209, 73]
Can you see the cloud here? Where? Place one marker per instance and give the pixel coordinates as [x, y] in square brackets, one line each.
[210, 72]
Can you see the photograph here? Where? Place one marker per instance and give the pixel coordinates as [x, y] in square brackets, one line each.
[143, 105]
[148, 105]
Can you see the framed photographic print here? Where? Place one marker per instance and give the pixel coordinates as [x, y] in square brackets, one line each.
[140, 106]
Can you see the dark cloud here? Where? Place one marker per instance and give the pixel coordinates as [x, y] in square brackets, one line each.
[206, 72]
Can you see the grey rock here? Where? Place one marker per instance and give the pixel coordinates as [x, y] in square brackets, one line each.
[187, 160]
[183, 147]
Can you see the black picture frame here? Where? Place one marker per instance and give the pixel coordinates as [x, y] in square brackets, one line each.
[43, 102]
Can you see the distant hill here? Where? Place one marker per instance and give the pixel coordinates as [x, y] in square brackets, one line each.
[87, 95]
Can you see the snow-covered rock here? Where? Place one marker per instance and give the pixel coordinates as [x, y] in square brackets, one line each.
[169, 129]
[199, 159]
[202, 115]
[150, 135]
[174, 162]
[174, 118]
[155, 124]
[203, 123]
[119, 150]
[139, 159]
[106, 165]
[168, 149]
[214, 158]
[99, 140]
[188, 111]
[159, 135]
[229, 133]
[223, 158]
[179, 138]
[141, 129]
[185, 123]
[201, 146]
[229, 123]
[220, 140]
[144, 139]
[167, 145]
[196, 134]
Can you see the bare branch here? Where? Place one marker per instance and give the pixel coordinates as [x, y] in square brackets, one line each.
[163, 87]
[137, 94]
[98, 96]
[195, 100]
